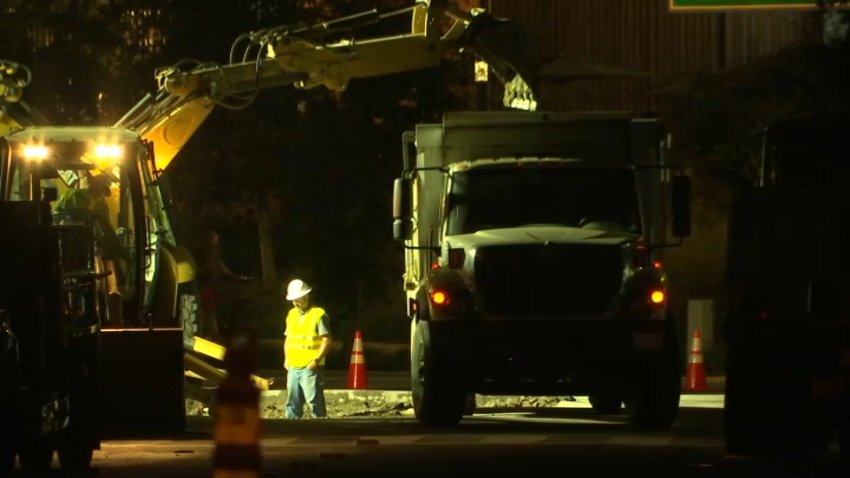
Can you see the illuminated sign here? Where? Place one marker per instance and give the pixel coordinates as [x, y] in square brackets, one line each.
[709, 5]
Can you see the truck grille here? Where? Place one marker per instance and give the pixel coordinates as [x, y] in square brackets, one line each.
[548, 280]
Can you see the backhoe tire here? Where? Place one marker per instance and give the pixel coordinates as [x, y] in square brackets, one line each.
[438, 400]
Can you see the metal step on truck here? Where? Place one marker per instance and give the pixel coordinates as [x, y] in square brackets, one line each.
[533, 261]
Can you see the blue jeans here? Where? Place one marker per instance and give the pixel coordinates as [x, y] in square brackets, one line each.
[303, 384]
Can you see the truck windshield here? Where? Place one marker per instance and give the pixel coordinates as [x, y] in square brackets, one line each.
[523, 195]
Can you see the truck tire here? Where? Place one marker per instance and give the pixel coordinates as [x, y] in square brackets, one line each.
[35, 456]
[74, 455]
[469, 405]
[437, 399]
[7, 458]
[8, 430]
[743, 418]
[605, 403]
[769, 411]
[654, 399]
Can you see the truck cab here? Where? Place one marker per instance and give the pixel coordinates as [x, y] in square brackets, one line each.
[533, 246]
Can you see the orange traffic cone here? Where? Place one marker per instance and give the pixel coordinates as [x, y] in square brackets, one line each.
[696, 381]
[357, 366]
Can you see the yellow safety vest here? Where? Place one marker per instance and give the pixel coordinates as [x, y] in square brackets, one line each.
[302, 337]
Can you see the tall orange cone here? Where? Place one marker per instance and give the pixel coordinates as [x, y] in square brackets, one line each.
[357, 365]
[237, 420]
[696, 381]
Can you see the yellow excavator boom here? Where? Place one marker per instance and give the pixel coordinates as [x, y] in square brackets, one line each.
[15, 113]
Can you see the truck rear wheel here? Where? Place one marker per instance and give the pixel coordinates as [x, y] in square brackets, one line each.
[769, 410]
[437, 398]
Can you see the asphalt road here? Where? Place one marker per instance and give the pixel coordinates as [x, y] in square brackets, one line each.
[562, 441]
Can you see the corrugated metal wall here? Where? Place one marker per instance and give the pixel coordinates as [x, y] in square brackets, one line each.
[644, 37]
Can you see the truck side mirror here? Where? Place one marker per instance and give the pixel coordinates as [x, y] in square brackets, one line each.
[681, 221]
[402, 220]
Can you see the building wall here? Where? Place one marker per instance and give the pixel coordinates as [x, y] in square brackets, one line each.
[644, 37]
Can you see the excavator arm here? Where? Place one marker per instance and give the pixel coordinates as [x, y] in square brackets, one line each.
[322, 55]
[15, 113]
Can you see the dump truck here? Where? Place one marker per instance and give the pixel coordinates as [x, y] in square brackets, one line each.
[786, 328]
[533, 261]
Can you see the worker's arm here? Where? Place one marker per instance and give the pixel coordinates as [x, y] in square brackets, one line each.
[324, 348]
[324, 331]
[285, 356]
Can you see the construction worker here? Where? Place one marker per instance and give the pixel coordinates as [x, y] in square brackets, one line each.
[305, 347]
[88, 205]
[90, 200]
[212, 274]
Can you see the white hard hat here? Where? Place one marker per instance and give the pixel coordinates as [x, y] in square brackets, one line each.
[296, 289]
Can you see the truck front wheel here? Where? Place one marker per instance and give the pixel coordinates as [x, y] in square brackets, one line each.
[438, 400]
[74, 455]
[605, 403]
[656, 389]
[7, 458]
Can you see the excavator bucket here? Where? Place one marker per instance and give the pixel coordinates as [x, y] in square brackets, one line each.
[512, 53]
[199, 369]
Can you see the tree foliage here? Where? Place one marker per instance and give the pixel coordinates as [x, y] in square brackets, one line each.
[718, 119]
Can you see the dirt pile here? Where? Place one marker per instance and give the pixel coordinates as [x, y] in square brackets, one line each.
[368, 403]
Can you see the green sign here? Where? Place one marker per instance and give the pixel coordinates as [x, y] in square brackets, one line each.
[708, 5]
